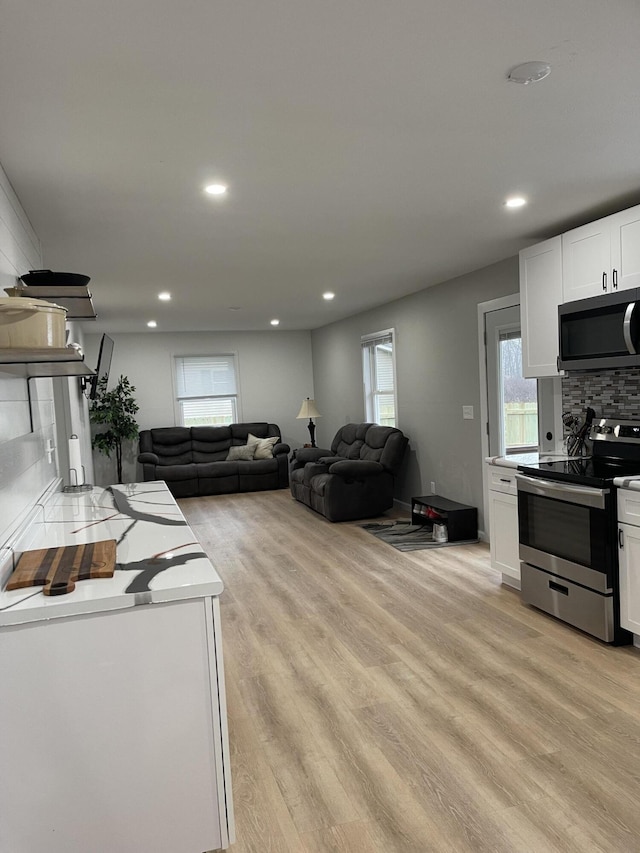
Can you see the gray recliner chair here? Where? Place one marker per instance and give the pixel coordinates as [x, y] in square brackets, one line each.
[354, 478]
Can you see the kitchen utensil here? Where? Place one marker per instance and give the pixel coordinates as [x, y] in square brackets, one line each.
[58, 569]
[31, 324]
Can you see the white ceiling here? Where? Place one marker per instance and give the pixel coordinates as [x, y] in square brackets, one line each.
[368, 145]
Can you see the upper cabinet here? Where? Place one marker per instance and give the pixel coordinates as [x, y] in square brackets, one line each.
[540, 295]
[602, 257]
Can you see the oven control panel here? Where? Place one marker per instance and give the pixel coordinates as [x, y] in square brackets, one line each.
[609, 429]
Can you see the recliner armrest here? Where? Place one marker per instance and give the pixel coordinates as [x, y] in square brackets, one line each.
[330, 460]
[312, 469]
[280, 448]
[148, 458]
[310, 454]
[356, 469]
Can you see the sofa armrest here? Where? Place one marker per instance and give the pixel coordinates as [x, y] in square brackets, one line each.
[310, 454]
[148, 458]
[281, 448]
[356, 469]
[312, 469]
[331, 460]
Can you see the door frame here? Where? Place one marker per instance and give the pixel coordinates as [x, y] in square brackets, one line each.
[484, 308]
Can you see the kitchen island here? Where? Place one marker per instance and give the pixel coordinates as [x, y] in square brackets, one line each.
[113, 727]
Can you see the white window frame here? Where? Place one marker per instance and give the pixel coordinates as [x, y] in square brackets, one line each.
[370, 393]
[178, 409]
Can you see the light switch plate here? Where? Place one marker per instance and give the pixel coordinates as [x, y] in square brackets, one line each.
[467, 413]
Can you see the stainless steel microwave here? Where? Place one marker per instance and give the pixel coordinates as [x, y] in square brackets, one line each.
[600, 333]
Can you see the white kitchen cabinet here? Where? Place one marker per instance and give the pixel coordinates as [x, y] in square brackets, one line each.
[625, 248]
[629, 568]
[629, 558]
[113, 711]
[540, 295]
[503, 524]
[602, 256]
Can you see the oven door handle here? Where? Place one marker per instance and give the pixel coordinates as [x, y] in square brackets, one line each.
[568, 492]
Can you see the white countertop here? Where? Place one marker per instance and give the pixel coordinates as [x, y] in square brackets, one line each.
[516, 459]
[157, 556]
[632, 483]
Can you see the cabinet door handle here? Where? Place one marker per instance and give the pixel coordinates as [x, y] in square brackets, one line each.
[504, 480]
[614, 277]
[620, 538]
[604, 281]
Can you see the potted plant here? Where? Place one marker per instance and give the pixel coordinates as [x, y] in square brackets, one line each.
[116, 410]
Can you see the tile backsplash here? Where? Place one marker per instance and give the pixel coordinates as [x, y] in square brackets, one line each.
[611, 393]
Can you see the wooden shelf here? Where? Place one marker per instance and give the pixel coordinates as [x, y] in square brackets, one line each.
[48, 361]
[76, 299]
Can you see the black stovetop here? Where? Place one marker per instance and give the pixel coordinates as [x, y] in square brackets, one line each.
[598, 471]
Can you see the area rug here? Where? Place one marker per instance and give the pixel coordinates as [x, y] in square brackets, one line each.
[408, 537]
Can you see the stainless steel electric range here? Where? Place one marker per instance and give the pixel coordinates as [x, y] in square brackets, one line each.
[567, 523]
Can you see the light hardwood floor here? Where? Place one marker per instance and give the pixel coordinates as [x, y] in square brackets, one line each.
[384, 702]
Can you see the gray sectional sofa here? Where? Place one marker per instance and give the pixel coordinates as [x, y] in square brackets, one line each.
[193, 460]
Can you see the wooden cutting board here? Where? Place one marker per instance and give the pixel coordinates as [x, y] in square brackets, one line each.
[58, 569]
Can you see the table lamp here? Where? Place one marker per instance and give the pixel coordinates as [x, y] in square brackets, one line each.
[308, 410]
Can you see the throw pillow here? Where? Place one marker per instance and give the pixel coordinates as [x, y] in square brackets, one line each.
[262, 447]
[242, 451]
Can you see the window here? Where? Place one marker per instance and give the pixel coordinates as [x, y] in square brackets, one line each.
[379, 372]
[519, 397]
[206, 390]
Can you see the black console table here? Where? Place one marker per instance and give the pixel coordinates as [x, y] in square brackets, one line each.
[461, 520]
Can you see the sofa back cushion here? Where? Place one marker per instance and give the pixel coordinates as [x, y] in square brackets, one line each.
[385, 445]
[261, 429]
[348, 441]
[210, 443]
[172, 445]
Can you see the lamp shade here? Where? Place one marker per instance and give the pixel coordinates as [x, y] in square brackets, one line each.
[308, 409]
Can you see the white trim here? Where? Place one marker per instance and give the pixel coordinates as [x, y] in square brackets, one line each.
[486, 308]
[372, 337]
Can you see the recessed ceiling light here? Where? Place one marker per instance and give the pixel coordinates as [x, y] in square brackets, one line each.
[529, 72]
[216, 189]
[164, 296]
[275, 322]
[152, 324]
[515, 201]
[328, 295]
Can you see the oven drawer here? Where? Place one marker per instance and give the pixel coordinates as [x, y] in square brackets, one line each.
[590, 611]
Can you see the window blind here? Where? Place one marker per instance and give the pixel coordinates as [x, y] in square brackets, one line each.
[205, 376]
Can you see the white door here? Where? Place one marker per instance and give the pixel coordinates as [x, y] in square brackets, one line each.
[524, 415]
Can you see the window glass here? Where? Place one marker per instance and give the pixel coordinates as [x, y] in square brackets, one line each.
[519, 397]
[379, 378]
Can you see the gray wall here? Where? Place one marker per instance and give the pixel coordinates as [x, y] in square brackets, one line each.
[437, 373]
[275, 374]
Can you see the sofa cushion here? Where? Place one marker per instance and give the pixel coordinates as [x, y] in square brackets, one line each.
[210, 444]
[211, 470]
[172, 445]
[240, 432]
[240, 452]
[262, 447]
[349, 440]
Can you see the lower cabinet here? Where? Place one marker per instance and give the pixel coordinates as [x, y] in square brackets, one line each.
[629, 559]
[503, 524]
